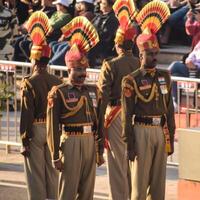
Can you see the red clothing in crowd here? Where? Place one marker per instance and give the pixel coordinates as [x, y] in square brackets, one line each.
[193, 28]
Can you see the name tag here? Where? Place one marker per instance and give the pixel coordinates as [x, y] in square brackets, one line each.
[156, 121]
[163, 89]
[145, 87]
[87, 129]
[94, 102]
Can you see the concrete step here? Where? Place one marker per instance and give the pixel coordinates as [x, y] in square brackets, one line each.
[170, 53]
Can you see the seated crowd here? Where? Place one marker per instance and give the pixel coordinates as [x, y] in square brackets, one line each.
[184, 22]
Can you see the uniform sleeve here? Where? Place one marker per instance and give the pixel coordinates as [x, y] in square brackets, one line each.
[170, 114]
[127, 113]
[27, 112]
[104, 87]
[53, 124]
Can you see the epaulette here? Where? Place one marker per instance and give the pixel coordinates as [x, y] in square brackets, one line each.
[52, 92]
[108, 59]
[135, 73]
[126, 82]
[131, 77]
[106, 63]
[26, 85]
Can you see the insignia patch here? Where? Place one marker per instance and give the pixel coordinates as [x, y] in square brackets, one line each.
[144, 82]
[145, 87]
[127, 92]
[163, 89]
[50, 102]
[71, 97]
[94, 102]
[162, 80]
[92, 95]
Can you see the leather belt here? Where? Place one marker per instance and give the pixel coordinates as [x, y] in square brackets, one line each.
[80, 129]
[78, 134]
[39, 120]
[152, 121]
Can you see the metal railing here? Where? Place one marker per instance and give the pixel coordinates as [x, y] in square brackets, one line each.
[11, 74]
[9, 126]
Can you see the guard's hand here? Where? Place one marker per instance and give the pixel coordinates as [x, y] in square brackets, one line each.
[100, 160]
[25, 151]
[131, 154]
[172, 149]
[58, 165]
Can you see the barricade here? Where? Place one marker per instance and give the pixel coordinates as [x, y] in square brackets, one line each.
[13, 72]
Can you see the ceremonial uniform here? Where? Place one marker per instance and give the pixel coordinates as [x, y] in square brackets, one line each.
[72, 120]
[148, 114]
[109, 86]
[42, 178]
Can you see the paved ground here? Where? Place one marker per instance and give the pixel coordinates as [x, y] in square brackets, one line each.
[13, 187]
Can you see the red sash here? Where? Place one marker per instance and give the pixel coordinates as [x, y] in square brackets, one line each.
[114, 112]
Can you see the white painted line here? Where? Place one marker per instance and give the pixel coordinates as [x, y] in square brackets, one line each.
[103, 197]
[12, 185]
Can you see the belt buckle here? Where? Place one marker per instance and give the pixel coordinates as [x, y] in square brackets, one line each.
[156, 121]
[87, 129]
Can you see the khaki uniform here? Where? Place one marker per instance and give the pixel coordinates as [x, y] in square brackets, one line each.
[42, 178]
[148, 127]
[72, 125]
[109, 86]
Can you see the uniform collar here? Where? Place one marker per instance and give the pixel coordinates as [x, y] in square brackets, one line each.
[71, 86]
[126, 53]
[148, 71]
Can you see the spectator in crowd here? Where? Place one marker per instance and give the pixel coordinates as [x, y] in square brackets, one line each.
[82, 8]
[47, 7]
[176, 21]
[190, 67]
[25, 44]
[60, 18]
[7, 25]
[193, 25]
[85, 8]
[106, 25]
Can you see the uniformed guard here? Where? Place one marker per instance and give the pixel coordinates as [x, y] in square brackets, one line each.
[109, 86]
[42, 178]
[147, 110]
[72, 118]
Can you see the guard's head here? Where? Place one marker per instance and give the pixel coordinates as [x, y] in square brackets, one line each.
[125, 39]
[77, 63]
[149, 47]
[40, 54]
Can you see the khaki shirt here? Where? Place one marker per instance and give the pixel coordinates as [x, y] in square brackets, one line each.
[34, 91]
[109, 83]
[146, 94]
[70, 106]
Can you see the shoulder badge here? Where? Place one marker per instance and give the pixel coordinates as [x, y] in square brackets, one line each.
[51, 96]
[26, 85]
[127, 88]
